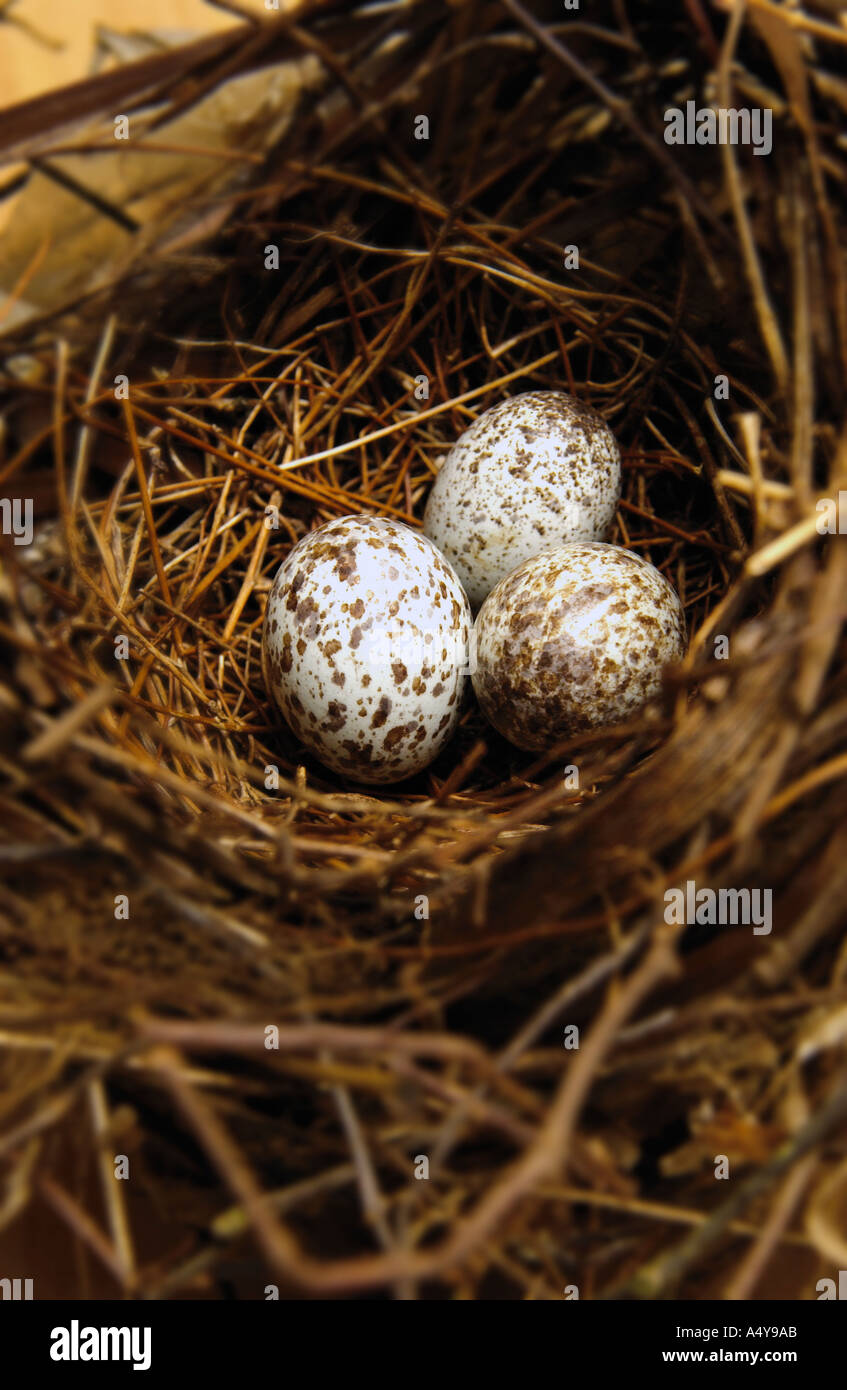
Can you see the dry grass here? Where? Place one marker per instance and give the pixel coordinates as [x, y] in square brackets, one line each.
[295, 906]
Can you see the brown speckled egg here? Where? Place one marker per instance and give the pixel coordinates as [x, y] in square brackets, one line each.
[574, 639]
[535, 471]
[365, 647]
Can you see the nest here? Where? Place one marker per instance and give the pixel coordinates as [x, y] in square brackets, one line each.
[439, 1039]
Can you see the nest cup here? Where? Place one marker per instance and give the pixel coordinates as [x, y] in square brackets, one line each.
[214, 947]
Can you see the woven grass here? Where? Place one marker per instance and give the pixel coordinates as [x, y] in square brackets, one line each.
[422, 950]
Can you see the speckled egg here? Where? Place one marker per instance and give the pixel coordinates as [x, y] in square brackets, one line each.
[535, 471]
[365, 647]
[574, 639]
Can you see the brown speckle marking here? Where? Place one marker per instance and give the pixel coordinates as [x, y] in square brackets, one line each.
[381, 713]
[294, 588]
[336, 716]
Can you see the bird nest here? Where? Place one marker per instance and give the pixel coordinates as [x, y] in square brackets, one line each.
[260, 1025]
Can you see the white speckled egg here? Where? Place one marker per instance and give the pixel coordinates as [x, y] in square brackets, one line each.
[535, 471]
[365, 646]
[574, 639]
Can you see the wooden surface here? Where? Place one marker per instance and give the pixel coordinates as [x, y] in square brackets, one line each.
[52, 44]
[56, 244]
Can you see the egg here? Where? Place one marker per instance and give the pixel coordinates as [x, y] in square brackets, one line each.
[365, 647]
[574, 639]
[535, 471]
